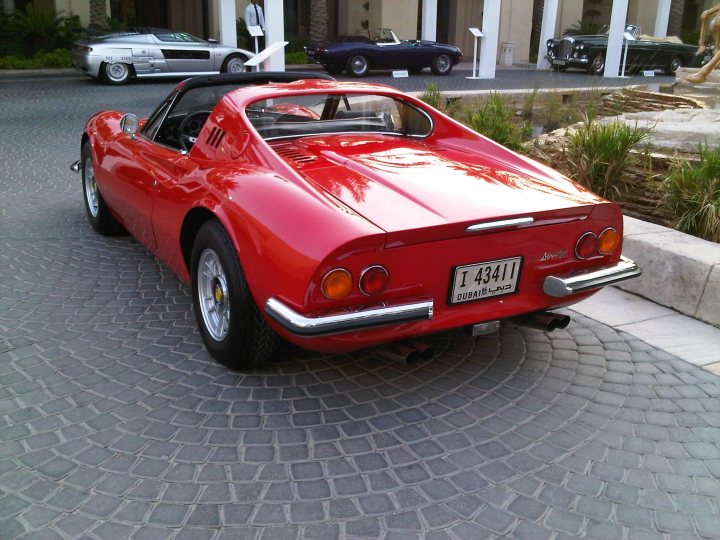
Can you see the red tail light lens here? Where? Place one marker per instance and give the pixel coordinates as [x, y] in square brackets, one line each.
[608, 241]
[373, 280]
[336, 284]
[586, 246]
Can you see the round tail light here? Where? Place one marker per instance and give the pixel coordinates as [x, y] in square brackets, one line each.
[586, 246]
[373, 280]
[608, 241]
[336, 284]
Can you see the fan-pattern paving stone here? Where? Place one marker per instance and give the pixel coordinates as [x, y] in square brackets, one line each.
[115, 422]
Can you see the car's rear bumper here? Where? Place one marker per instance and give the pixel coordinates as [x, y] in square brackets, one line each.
[301, 325]
[562, 286]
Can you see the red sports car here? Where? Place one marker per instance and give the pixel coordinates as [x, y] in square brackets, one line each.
[342, 215]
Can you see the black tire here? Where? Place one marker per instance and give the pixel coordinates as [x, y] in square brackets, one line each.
[597, 64]
[230, 323]
[234, 63]
[675, 64]
[442, 65]
[115, 73]
[357, 66]
[97, 211]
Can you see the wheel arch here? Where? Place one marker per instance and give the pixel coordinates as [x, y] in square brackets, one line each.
[191, 225]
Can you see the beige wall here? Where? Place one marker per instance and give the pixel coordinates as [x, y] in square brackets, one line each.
[516, 26]
[81, 8]
[350, 14]
[401, 16]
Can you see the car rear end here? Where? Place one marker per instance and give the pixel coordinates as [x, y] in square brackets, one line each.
[463, 246]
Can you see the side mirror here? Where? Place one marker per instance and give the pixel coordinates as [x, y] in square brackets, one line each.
[213, 41]
[129, 124]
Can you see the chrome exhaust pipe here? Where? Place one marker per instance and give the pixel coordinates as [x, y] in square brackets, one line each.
[543, 320]
[408, 353]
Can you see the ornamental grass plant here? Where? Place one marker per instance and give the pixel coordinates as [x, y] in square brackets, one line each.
[496, 120]
[597, 154]
[691, 193]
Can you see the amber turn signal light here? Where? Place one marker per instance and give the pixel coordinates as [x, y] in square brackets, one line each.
[608, 241]
[373, 280]
[336, 284]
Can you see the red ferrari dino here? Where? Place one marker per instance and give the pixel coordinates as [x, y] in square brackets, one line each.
[341, 215]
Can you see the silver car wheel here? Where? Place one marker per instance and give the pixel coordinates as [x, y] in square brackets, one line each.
[235, 64]
[213, 295]
[358, 66]
[91, 190]
[117, 73]
[442, 65]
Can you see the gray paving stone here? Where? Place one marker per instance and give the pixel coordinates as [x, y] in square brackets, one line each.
[115, 421]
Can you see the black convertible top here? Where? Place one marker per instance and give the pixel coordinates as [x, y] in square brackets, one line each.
[250, 78]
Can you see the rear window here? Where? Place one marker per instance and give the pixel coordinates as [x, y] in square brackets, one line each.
[302, 115]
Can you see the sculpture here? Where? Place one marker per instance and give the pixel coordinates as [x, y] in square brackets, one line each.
[709, 22]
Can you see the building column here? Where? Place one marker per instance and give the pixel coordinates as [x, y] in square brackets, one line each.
[227, 17]
[662, 18]
[549, 21]
[429, 20]
[489, 43]
[615, 38]
[275, 32]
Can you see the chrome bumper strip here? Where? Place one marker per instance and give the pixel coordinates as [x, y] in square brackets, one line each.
[304, 326]
[560, 287]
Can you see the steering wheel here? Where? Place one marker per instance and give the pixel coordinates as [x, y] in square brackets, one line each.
[190, 127]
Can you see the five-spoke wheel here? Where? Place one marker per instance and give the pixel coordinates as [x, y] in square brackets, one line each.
[230, 323]
[97, 211]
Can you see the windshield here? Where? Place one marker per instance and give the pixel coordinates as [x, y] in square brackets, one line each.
[178, 37]
[302, 115]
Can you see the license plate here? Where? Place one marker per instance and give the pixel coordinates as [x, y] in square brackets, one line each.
[559, 62]
[484, 280]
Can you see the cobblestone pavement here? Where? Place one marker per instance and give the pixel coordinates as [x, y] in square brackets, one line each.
[116, 423]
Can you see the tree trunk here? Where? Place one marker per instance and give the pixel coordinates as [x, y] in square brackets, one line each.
[98, 14]
[677, 10]
[318, 20]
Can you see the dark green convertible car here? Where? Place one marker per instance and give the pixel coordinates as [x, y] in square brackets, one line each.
[643, 53]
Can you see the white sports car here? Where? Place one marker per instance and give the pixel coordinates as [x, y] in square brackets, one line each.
[155, 52]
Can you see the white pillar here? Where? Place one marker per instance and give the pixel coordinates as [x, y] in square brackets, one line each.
[429, 20]
[662, 18]
[489, 44]
[227, 17]
[615, 38]
[274, 32]
[549, 21]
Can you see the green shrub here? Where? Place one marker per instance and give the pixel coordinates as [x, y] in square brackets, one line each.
[39, 29]
[59, 58]
[497, 121]
[432, 95]
[692, 195]
[597, 154]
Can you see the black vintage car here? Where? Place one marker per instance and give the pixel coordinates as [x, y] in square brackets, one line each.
[382, 50]
[643, 53]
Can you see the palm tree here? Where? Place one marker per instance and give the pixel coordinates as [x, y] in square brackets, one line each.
[318, 20]
[98, 14]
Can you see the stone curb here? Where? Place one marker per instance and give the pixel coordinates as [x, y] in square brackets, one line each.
[679, 271]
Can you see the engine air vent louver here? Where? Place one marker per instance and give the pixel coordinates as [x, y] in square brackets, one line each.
[216, 137]
[288, 151]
